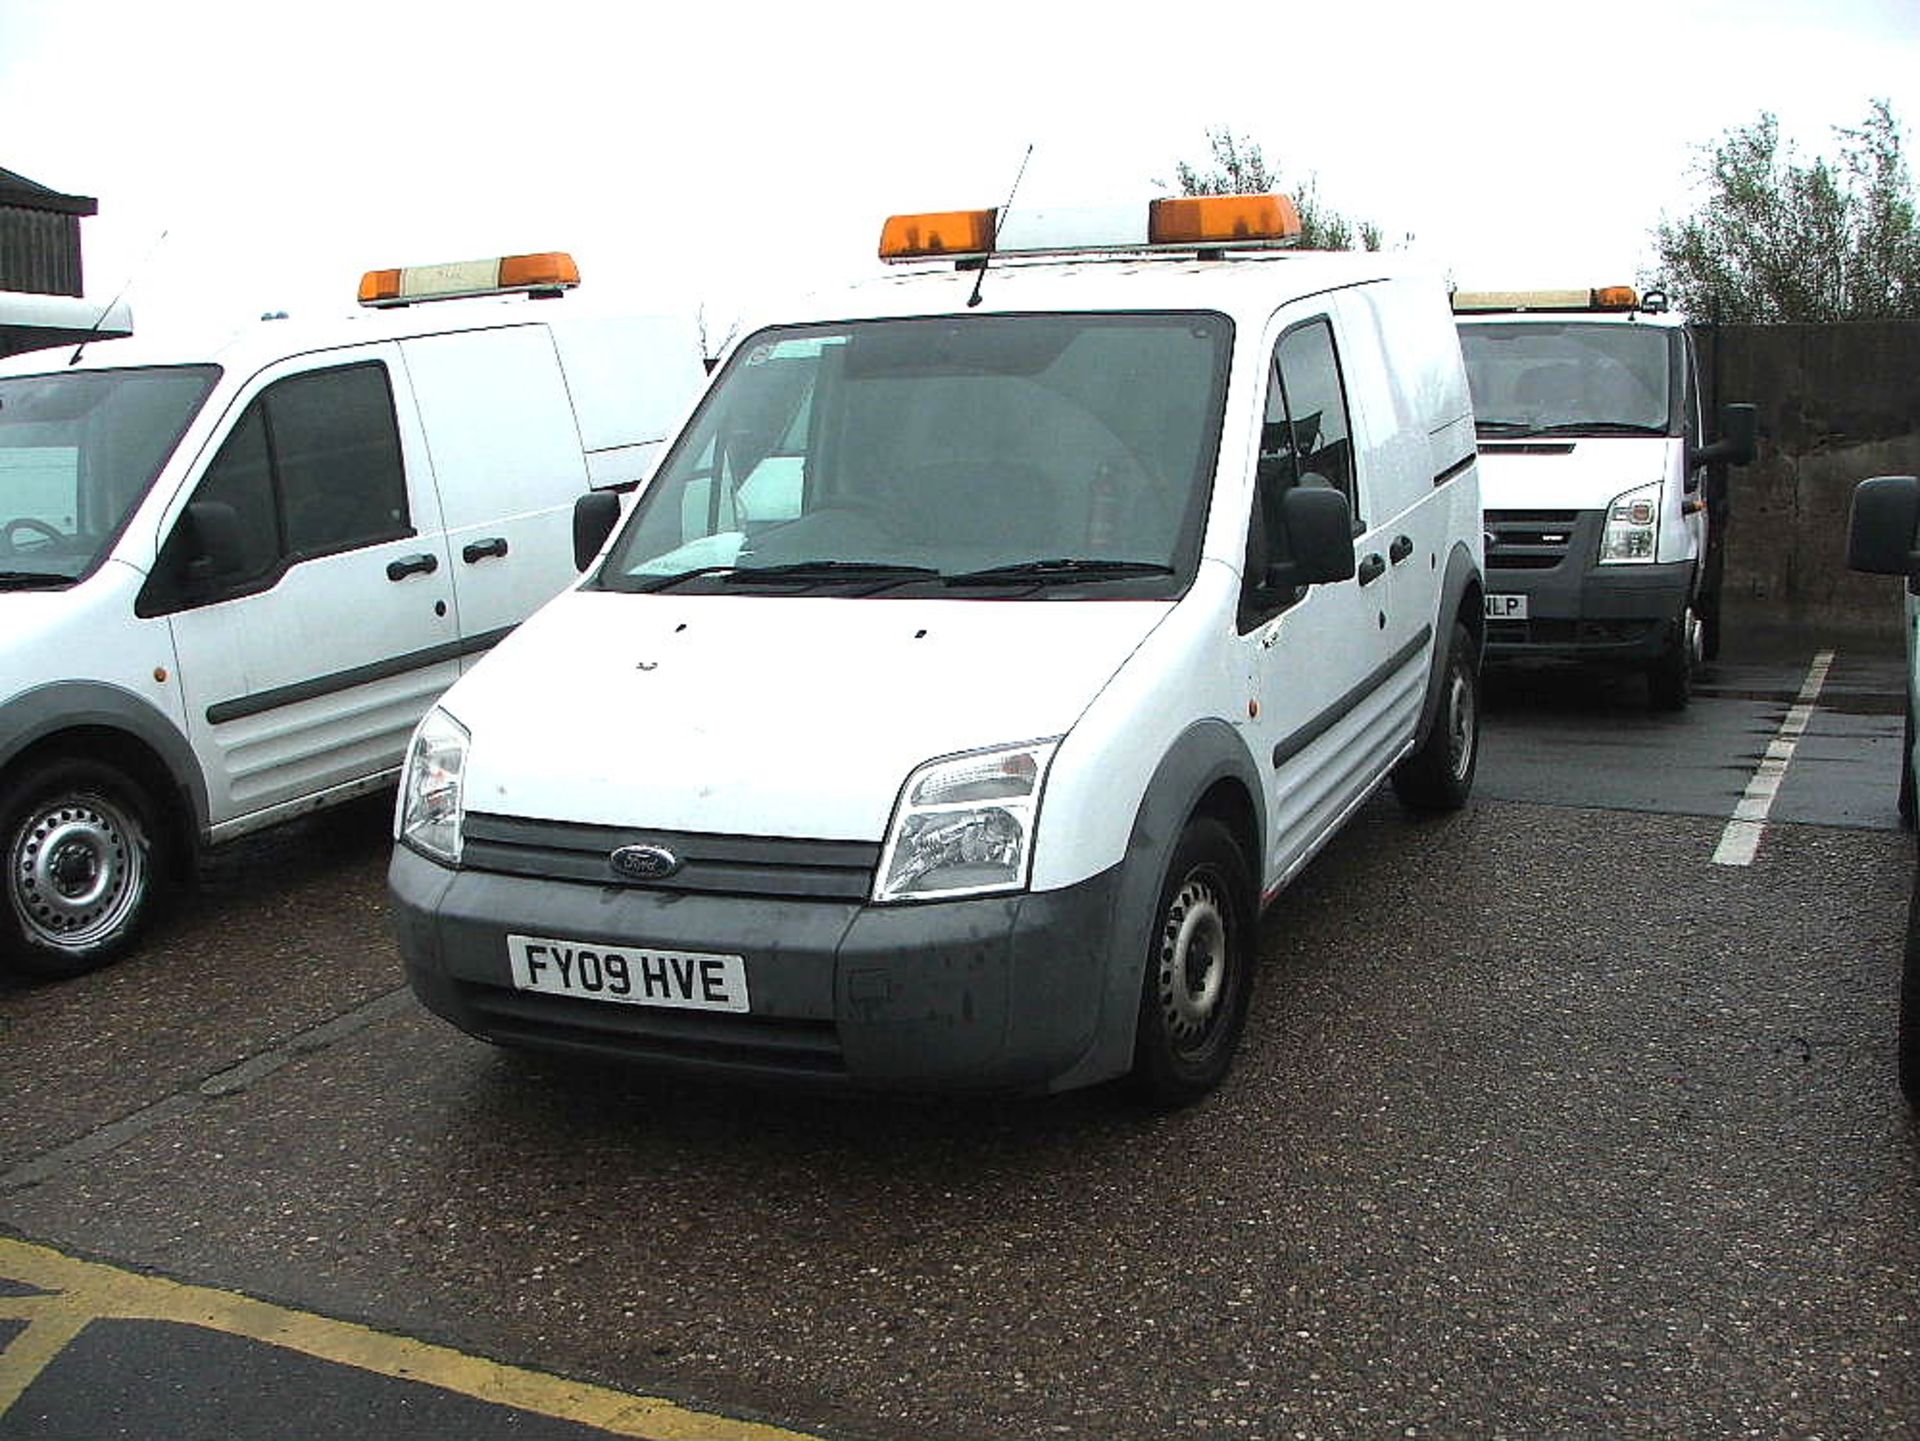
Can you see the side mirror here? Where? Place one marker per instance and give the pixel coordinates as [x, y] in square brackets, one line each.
[1880, 528]
[1318, 524]
[595, 514]
[1738, 438]
[210, 531]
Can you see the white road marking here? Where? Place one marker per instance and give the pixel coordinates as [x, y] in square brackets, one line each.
[1740, 841]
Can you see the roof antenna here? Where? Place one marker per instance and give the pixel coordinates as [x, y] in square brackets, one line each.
[998, 220]
[101, 318]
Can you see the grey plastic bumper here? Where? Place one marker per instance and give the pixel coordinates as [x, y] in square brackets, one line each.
[1002, 992]
[1609, 614]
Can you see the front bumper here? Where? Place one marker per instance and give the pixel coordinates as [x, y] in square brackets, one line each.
[1577, 610]
[1001, 992]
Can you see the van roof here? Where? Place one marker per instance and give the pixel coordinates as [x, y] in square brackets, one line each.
[1246, 287]
[1662, 319]
[249, 347]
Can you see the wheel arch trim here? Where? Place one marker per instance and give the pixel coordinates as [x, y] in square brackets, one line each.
[32, 719]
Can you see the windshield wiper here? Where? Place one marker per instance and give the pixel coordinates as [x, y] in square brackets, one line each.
[670, 580]
[1600, 427]
[1064, 570]
[1504, 427]
[33, 580]
[830, 572]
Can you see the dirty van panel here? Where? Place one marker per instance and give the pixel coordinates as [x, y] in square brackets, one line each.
[948, 447]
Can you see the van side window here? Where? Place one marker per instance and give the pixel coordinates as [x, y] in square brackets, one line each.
[241, 476]
[336, 459]
[1316, 435]
[1304, 439]
[312, 467]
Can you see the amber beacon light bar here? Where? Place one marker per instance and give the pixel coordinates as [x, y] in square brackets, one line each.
[1196, 222]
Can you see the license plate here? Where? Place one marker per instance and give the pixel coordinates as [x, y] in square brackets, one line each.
[1506, 607]
[590, 971]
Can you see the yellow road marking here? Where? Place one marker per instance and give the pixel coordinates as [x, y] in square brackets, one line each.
[75, 1293]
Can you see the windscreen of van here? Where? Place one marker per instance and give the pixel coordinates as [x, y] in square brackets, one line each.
[77, 452]
[1568, 378]
[1069, 454]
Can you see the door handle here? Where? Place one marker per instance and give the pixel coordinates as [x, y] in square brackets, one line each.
[425, 563]
[1401, 548]
[481, 549]
[1370, 569]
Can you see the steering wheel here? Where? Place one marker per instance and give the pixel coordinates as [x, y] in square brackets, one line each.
[33, 525]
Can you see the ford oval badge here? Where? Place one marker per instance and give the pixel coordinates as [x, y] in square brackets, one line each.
[644, 863]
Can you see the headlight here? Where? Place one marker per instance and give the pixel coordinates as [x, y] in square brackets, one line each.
[964, 826]
[1633, 527]
[427, 814]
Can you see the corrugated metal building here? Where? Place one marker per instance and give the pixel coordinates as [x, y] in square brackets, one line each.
[40, 280]
[40, 237]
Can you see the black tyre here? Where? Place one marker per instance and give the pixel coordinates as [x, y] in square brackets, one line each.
[1670, 679]
[83, 858]
[1439, 776]
[1906, 773]
[1193, 1002]
[1909, 1023]
[1709, 608]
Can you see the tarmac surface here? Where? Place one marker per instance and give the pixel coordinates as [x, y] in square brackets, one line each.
[1546, 1124]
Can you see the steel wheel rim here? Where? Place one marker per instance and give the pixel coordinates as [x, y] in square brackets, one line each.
[1192, 961]
[77, 870]
[1460, 724]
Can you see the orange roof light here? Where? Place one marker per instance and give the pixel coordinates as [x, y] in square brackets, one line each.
[1223, 220]
[545, 273]
[939, 233]
[1599, 297]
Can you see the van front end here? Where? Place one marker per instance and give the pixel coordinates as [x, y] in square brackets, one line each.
[980, 993]
[1593, 551]
[1554, 596]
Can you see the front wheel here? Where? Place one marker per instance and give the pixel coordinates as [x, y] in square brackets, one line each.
[82, 861]
[1439, 776]
[1193, 1002]
[1670, 679]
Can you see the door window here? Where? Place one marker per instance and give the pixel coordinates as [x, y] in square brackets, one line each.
[312, 467]
[1305, 439]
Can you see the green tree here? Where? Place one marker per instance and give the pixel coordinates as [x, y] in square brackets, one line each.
[1239, 168]
[1775, 239]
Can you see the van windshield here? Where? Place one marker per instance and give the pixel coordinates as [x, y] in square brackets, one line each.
[78, 450]
[1066, 455]
[1567, 378]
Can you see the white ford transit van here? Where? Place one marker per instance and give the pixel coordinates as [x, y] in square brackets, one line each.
[233, 576]
[993, 643]
[1604, 543]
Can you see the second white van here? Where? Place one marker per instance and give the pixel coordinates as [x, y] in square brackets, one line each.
[234, 574]
[1605, 543]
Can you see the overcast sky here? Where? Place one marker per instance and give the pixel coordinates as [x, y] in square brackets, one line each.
[741, 150]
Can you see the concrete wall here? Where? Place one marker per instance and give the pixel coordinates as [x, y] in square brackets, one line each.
[1837, 404]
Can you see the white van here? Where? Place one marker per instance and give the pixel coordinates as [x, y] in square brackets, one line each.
[993, 643]
[233, 576]
[1604, 504]
[1883, 538]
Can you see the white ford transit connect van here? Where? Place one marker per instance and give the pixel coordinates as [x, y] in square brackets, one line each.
[995, 640]
[1604, 544]
[233, 576]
